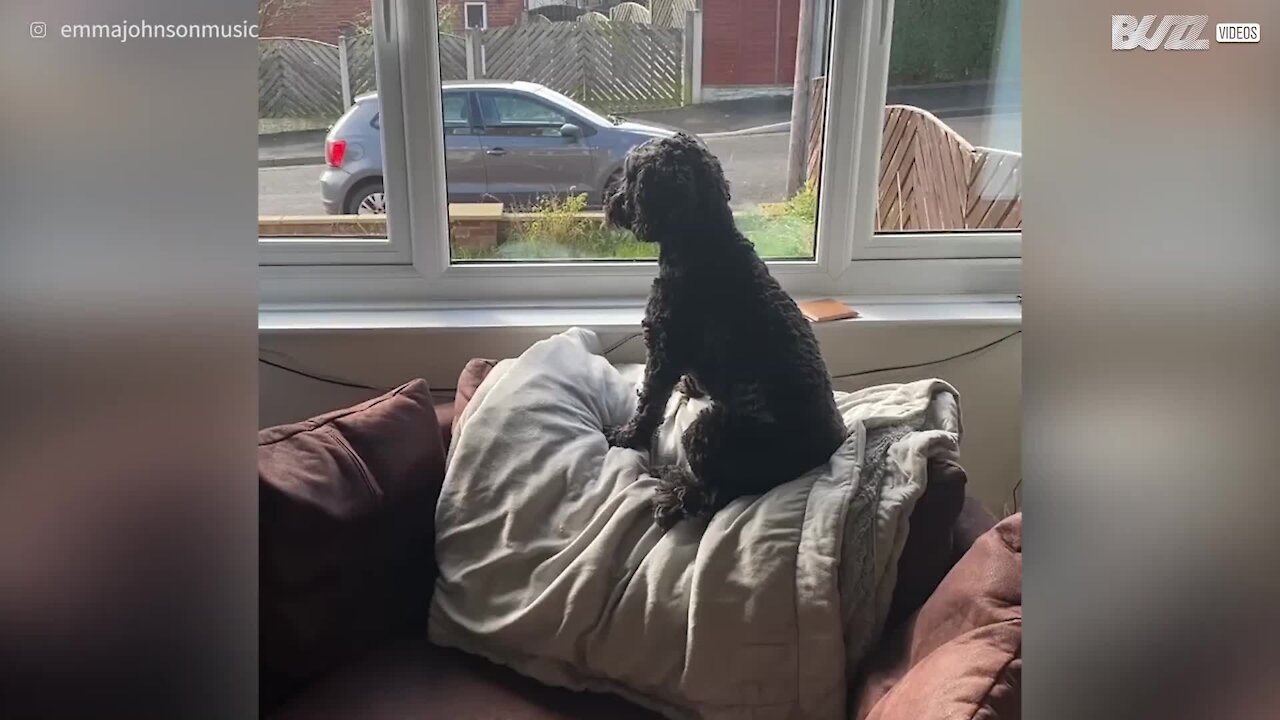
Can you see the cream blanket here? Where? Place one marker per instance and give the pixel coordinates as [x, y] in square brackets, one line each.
[550, 562]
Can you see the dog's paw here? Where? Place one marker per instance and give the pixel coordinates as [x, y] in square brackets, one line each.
[623, 436]
[629, 436]
[680, 495]
[690, 388]
[667, 512]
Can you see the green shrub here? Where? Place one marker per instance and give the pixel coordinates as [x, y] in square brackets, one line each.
[558, 221]
[943, 40]
[803, 205]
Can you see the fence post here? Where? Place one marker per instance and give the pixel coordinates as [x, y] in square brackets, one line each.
[344, 71]
[691, 60]
[475, 56]
[817, 120]
[802, 85]
[697, 55]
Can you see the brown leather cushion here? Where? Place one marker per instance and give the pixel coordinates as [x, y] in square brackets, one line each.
[928, 553]
[346, 511]
[964, 646]
[930, 550]
[974, 522]
[417, 680]
[960, 655]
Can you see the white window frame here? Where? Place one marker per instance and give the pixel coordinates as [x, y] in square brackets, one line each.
[851, 259]
[484, 15]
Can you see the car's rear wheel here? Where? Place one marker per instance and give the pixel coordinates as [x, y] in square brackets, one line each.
[368, 199]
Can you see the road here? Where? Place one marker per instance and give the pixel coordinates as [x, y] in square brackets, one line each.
[753, 164]
[290, 190]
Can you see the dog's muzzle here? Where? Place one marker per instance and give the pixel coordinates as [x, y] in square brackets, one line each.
[616, 211]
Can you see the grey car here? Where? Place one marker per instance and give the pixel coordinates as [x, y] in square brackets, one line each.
[509, 142]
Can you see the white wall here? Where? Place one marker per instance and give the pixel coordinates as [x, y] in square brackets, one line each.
[990, 383]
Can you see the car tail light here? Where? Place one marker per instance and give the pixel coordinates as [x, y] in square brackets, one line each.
[334, 150]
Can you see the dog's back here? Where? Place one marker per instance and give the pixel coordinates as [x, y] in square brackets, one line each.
[751, 329]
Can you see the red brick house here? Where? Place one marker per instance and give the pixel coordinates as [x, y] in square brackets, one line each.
[484, 13]
[325, 19]
[749, 42]
[313, 19]
[745, 42]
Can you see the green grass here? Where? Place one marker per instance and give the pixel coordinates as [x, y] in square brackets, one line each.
[564, 237]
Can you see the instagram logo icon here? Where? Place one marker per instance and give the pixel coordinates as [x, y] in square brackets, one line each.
[38, 29]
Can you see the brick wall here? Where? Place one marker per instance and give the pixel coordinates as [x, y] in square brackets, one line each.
[315, 19]
[501, 12]
[738, 35]
[739, 42]
[324, 19]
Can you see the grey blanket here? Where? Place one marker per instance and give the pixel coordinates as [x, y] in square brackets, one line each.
[550, 562]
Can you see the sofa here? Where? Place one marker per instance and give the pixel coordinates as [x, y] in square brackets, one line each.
[346, 574]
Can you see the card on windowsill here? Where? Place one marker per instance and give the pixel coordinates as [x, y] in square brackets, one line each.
[827, 309]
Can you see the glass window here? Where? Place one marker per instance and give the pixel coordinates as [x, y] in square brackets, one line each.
[320, 137]
[620, 77]
[951, 152]
[477, 16]
[570, 90]
[505, 109]
[457, 113]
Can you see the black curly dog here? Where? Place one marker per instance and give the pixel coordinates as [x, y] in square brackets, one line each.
[719, 324]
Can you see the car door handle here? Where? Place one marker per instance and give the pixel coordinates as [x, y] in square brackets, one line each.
[496, 151]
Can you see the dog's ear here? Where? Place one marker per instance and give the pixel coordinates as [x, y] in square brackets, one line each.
[664, 197]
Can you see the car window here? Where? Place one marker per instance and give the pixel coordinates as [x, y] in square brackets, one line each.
[515, 114]
[573, 107]
[457, 114]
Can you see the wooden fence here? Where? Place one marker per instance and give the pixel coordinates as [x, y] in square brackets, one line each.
[609, 66]
[364, 78]
[298, 79]
[670, 13]
[817, 119]
[453, 57]
[301, 78]
[453, 61]
[931, 178]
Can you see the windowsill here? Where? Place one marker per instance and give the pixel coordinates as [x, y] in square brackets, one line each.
[987, 311]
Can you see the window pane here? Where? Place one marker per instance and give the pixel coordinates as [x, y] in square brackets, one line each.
[457, 114]
[475, 15]
[506, 109]
[319, 129]
[952, 149]
[565, 92]
[455, 109]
